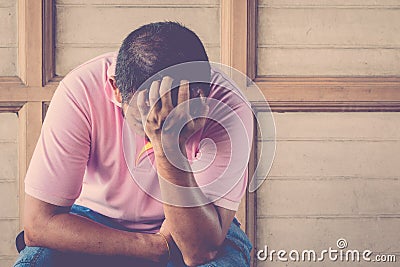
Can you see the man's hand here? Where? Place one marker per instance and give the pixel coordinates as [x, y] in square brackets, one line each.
[160, 117]
[197, 230]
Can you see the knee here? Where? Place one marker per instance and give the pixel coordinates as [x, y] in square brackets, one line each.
[36, 257]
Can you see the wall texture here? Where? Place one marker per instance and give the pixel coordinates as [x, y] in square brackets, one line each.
[328, 38]
[9, 194]
[89, 28]
[335, 175]
[8, 38]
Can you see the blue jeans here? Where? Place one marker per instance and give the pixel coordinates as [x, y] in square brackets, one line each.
[234, 252]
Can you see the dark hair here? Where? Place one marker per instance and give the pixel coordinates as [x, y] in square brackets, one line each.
[153, 48]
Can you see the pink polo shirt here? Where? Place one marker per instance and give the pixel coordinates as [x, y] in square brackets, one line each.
[79, 157]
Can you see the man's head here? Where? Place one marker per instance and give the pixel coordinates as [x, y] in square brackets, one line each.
[153, 48]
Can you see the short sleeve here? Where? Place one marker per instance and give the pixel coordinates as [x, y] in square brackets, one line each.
[221, 163]
[58, 164]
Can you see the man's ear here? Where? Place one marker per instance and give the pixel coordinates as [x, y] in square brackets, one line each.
[117, 93]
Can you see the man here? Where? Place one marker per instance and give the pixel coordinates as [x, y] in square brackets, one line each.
[103, 192]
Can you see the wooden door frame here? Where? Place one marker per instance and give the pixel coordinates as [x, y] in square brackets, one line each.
[25, 94]
[322, 94]
[292, 94]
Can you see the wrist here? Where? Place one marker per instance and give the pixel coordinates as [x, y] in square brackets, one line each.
[162, 252]
[169, 148]
[166, 249]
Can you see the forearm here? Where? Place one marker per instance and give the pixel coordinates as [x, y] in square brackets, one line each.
[68, 232]
[196, 230]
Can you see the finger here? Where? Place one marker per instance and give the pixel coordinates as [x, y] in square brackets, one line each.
[165, 92]
[199, 108]
[141, 103]
[184, 95]
[205, 109]
[198, 105]
[154, 94]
